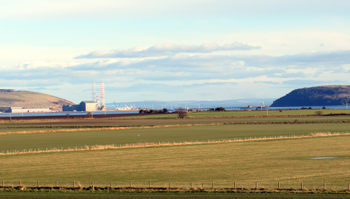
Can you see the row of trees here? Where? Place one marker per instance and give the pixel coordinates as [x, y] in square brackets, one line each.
[182, 113]
[164, 110]
[304, 108]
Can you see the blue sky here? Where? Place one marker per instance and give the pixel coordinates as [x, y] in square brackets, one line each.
[173, 50]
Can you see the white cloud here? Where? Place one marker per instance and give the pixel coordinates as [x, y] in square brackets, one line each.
[202, 67]
[188, 72]
[45, 64]
[294, 40]
[167, 49]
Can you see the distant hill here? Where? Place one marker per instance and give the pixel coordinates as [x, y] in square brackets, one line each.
[29, 99]
[315, 96]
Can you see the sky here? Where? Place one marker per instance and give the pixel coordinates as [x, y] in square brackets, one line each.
[174, 49]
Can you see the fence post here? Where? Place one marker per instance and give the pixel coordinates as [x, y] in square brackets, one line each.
[92, 185]
[110, 184]
[256, 185]
[191, 185]
[56, 183]
[149, 184]
[212, 185]
[324, 185]
[2, 183]
[169, 185]
[130, 184]
[278, 185]
[19, 183]
[348, 186]
[301, 187]
[73, 184]
[37, 183]
[234, 185]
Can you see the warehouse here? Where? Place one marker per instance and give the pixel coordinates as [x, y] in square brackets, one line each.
[89, 106]
[28, 110]
[83, 106]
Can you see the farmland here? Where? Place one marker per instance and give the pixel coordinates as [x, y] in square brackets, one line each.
[169, 134]
[266, 162]
[260, 113]
[140, 121]
[288, 161]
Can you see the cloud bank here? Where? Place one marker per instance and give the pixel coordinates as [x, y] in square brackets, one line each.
[191, 69]
[167, 49]
[183, 70]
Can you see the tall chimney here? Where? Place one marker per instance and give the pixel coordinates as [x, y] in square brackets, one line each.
[102, 93]
[93, 92]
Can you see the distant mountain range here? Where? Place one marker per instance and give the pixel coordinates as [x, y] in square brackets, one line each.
[193, 103]
[315, 96]
[29, 99]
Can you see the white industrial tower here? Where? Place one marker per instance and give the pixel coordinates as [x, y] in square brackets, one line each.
[93, 92]
[102, 93]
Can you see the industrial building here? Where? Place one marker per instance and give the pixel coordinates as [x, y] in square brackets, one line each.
[89, 106]
[28, 110]
[83, 106]
[69, 107]
[93, 105]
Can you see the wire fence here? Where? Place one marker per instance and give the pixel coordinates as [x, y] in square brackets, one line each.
[233, 186]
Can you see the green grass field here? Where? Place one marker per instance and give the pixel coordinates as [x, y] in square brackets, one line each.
[267, 162]
[193, 133]
[85, 123]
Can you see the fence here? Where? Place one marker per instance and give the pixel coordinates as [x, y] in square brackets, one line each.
[179, 187]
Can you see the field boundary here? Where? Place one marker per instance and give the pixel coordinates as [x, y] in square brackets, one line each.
[150, 189]
[134, 117]
[93, 128]
[165, 144]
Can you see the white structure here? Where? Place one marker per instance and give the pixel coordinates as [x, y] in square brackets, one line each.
[93, 93]
[88, 106]
[28, 110]
[102, 93]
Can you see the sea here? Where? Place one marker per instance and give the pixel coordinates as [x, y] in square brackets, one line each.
[111, 110]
